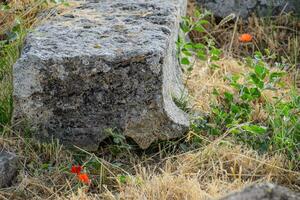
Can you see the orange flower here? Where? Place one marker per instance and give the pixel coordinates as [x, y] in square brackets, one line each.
[245, 38]
[76, 169]
[84, 178]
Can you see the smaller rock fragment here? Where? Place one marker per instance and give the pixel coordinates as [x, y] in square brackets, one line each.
[245, 8]
[8, 168]
[265, 191]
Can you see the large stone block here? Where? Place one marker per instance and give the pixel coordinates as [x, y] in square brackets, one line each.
[245, 8]
[103, 64]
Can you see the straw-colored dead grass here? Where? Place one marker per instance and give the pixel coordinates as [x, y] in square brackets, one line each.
[24, 10]
[209, 172]
[203, 80]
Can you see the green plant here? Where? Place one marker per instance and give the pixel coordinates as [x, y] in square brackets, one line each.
[9, 52]
[182, 102]
[233, 113]
[284, 121]
[188, 50]
[119, 142]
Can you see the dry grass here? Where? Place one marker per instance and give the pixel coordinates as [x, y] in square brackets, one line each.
[208, 172]
[203, 80]
[19, 9]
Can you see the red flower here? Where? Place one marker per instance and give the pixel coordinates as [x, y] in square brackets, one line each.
[84, 178]
[245, 38]
[76, 169]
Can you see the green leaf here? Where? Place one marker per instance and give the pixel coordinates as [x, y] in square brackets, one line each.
[235, 131]
[214, 131]
[185, 61]
[199, 46]
[258, 55]
[245, 93]
[4, 7]
[180, 40]
[234, 108]
[188, 46]
[190, 68]
[228, 97]
[248, 61]
[185, 27]
[203, 22]
[260, 71]
[201, 55]
[186, 52]
[236, 85]
[215, 54]
[215, 51]
[255, 93]
[257, 81]
[199, 29]
[45, 166]
[216, 92]
[275, 76]
[215, 58]
[197, 13]
[185, 18]
[122, 179]
[234, 78]
[255, 129]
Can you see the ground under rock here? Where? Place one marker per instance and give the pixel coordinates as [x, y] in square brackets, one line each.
[100, 65]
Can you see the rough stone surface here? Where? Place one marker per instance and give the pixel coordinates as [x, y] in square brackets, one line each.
[103, 64]
[265, 191]
[244, 8]
[8, 168]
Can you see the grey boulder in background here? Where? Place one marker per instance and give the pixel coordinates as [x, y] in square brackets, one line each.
[266, 191]
[8, 168]
[103, 64]
[245, 8]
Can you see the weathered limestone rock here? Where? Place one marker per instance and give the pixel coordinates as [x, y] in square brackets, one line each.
[265, 191]
[245, 8]
[8, 168]
[103, 64]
